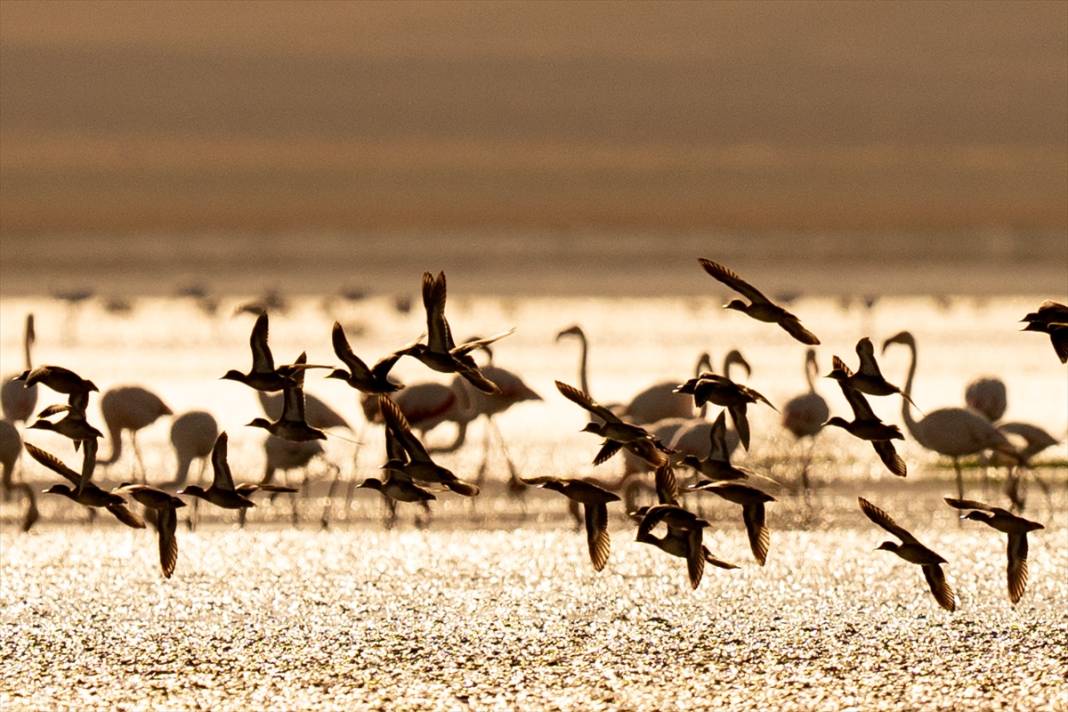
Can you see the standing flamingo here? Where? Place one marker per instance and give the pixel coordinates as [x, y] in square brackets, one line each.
[953, 432]
[193, 436]
[130, 408]
[804, 415]
[18, 401]
[10, 449]
[988, 396]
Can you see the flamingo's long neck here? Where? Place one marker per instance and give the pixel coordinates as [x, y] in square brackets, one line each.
[583, 359]
[704, 364]
[810, 370]
[115, 433]
[27, 341]
[906, 409]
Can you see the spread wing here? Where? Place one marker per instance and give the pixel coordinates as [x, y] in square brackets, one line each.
[344, 352]
[861, 408]
[469, 346]
[52, 463]
[224, 479]
[293, 396]
[608, 450]
[741, 423]
[792, 325]
[756, 528]
[579, 398]
[397, 423]
[936, 579]
[166, 526]
[695, 557]
[885, 521]
[968, 504]
[538, 481]
[54, 410]
[124, 515]
[385, 365]
[1017, 569]
[732, 280]
[667, 486]
[890, 458]
[439, 337]
[718, 436]
[262, 361]
[868, 365]
[597, 534]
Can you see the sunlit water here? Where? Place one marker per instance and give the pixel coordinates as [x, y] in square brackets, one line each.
[496, 604]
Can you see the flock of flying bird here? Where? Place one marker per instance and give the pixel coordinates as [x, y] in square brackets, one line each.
[411, 474]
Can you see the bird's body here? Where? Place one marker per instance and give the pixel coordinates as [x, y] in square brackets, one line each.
[131, 408]
[263, 376]
[56, 378]
[988, 396]
[418, 465]
[867, 426]
[222, 492]
[17, 399]
[1051, 318]
[752, 501]
[684, 537]
[292, 423]
[717, 464]
[164, 505]
[594, 500]
[10, 447]
[366, 380]
[804, 415]
[86, 494]
[1008, 523]
[911, 550]
[868, 378]
[722, 391]
[759, 307]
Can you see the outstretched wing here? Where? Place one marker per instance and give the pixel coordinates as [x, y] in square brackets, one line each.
[936, 579]
[868, 365]
[608, 450]
[885, 521]
[732, 280]
[52, 463]
[695, 557]
[344, 352]
[597, 538]
[127, 517]
[224, 479]
[581, 399]
[890, 458]
[861, 408]
[469, 346]
[792, 325]
[756, 527]
[968, 504]
[166, 526]
[293, 396]
[262, 361]
[439, 338]
[1017, 568]
[398, 424]
[718, 436]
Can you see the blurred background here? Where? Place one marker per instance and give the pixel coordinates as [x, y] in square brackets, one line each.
[570, 148]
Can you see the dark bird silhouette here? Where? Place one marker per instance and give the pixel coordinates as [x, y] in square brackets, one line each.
[440, 353]
[130, 408]
[419, 466]
[1007, 522]
[760, 307]
[222, 492]
[594, 500]
[867, 426]
[717, 465]
[722, 391]
[366, 380]
[291, 424]
[1051, 318]
[164, 505]
[263, 376]
[58, 379]
[754, 517]
[911, 550]
[868, 379]
[17, 400]
[684, 538]
[90, 495]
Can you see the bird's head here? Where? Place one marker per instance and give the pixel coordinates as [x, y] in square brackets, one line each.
[233, 375]
[595, 428]
[978, 516]
[90, 386]
[371, 483]
[691, 461]
[393, 465]
[902, 337]
[192, 491]
[339, 373]
[887, 546]
[837, 422]
[575, 330]
[59, 489]
[259, 423]
[42, 425]
[736, 305]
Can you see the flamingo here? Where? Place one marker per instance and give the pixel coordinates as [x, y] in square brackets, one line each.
[584, 356]
[804, 415]
[193, 436]
[953, 432]
[987, 395]
[18, 401]
[130, 408]
[10, 449]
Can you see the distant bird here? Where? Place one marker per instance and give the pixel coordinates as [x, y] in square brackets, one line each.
[419, 467]
[193, 437]
[722, 391]
[116, 304]
[988, 396]
[1051, 318]
[263, 376]
[684, 538]
[440, 353]
[866, 425]
[271, 301]
[222, 492]
[1035, 438]
[131, 408]
[911, 550]
[868, 379]
[717, 464]
[291, 424]
[164, 505]
[954, 432]
[760, 307]
[10, 447]
[90, 495]
[1016, 527]
[594, 500]
[584, 354]
[754, 517]
[17, 399]
[804, 415]
[366, 380]
[286, 455]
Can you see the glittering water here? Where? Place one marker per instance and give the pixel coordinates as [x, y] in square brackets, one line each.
[496, 604]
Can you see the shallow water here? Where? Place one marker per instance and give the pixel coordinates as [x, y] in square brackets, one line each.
[496, 605]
